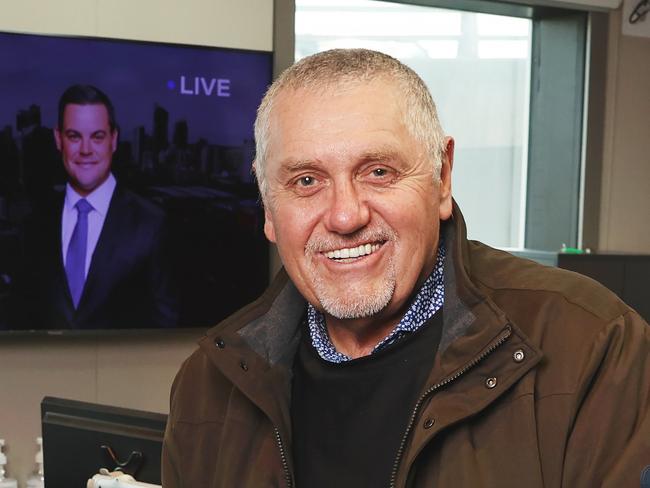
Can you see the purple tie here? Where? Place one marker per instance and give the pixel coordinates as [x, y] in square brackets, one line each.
[75, 258]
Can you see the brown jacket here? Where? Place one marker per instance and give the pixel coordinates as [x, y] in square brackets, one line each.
[542, 378]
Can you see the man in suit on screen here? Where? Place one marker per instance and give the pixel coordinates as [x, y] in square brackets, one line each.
[97, 255]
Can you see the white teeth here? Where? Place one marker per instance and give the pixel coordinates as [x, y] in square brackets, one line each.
[352, 252]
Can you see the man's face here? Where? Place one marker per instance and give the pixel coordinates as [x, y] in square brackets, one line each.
[87, 145]
[353, 203]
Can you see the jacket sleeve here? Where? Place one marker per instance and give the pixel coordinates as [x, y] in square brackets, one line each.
[609, 444]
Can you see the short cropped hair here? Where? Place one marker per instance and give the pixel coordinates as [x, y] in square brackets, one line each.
[349, 66]
[86, 95]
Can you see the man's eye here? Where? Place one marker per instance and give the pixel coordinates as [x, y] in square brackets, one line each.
[379, 176]
[380, 172]
[73, 137]
[306, 181]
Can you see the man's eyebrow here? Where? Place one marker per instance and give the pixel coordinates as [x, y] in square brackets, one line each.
[100, 132]
[289, 166]
[71, 132]
[379, 156]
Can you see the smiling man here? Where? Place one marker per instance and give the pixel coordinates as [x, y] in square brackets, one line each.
[354, 203]
[392, 351]
[96, 255]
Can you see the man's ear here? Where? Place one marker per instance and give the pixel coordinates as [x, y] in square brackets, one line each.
[445, 179]
[57, 137]
[269, 228]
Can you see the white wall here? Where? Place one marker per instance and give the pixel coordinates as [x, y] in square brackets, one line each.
[134, 371]
[227, 23]
[625, 198]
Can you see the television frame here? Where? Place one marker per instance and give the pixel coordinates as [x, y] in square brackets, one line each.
[262, 271]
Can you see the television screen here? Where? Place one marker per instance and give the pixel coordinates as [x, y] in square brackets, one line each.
[126, 194]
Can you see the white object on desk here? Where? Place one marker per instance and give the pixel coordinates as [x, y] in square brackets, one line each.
[5, 482]
[116, 480]
[37, 480]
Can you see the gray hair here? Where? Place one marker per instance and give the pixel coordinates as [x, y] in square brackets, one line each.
[349, 66]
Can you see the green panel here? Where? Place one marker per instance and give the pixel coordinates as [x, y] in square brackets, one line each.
[556, 109]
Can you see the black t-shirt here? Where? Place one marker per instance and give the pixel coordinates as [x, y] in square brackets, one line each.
[348, 419]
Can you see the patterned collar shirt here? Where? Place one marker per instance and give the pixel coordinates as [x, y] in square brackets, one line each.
[428, 301]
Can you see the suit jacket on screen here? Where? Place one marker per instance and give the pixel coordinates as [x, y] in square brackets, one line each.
[128, 283]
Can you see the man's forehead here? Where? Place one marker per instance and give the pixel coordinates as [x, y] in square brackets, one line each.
[314, 133]
[91, 113]
[307, 104]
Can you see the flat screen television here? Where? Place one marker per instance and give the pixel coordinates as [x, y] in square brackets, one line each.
[181, 244]
[81, 438]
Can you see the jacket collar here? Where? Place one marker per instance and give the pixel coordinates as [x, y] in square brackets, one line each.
[255, 347]
[464, 303]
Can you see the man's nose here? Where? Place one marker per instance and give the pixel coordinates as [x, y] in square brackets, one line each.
[348, 212]
[86, 146]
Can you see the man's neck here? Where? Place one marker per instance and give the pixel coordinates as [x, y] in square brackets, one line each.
[358, 337]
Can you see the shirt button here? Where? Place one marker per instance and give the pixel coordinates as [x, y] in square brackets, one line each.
[219, 343]
[243, 365]
[428, 423]
[491, 382]
[519, 355]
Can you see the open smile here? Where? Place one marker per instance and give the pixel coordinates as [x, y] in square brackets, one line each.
[349, 253]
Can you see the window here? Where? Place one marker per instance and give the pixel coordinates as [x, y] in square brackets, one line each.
[480, 68]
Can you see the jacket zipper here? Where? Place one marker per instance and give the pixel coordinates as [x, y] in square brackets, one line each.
[283, 455]
[400, 452]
